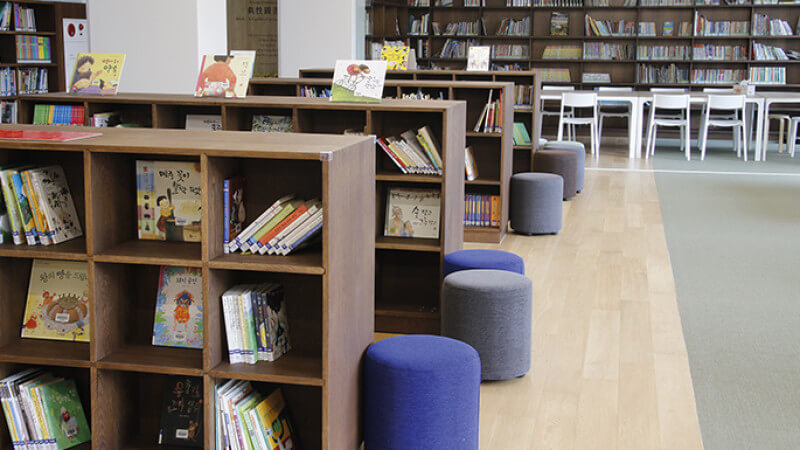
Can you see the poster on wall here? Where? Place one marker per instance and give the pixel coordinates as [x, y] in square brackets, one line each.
[253, 24]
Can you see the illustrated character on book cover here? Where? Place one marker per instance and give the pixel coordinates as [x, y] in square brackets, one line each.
[412, 213]
[175, 213]
[58, 301]
[97, 73]
[69, 426]
[358, 81]
[178, 318]
[224, 75]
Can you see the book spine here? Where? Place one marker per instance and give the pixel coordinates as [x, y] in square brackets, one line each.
[495, 211]
[12, 207]
[226, 215]
[249, 326]
[31, 236]
[306, 236]
[261, 326]
[38, 213]
[227, 315]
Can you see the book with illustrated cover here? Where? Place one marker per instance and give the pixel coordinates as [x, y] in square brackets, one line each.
[478, 58]
[396, 56]
[224, 75]
[25, 208]
[273, 418]
[182, 412]
[358, 81]
[5, 223]
[233, 212]
[277, 124]
[14, 215]
[55, 199]
[58, 301]
[64, 414]
[168, 200]
[97, 73]
[669, 28]
[559, 24]
[178, 319]
[42, 230]
[412, 212]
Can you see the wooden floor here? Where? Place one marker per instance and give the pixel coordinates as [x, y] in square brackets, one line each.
[610, 369]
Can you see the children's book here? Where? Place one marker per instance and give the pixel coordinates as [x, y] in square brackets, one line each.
[358, 81]
[179, 308]
[478, 58]
[412, 212]
[56, 200]
[669, 28]
[208, 122]
[42, 135]
[233, 213]
[97, 73]
[396, 56]
[559, 24]
[5, 223]
[277, 124]
[58, 301]
[273, 418]
[25, 208]
[168, 200]
[64, 414]
[224, 75]
[182, 412]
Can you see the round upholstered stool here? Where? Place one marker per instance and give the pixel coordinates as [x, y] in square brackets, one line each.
[421, 392]
[559, 162]
[491, 311]
[580, 152]
[536, 202]
[482, 259]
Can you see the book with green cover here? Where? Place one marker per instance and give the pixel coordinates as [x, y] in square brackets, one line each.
[521, 136]
[254, 241]
[64, 414]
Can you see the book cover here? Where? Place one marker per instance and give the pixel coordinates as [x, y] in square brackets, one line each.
[273, 417]
[25, 208]
[224, 75]
[412, 212]
[234, 215]
[277, 324]
[478, 58]
[358, 81]
[39, 135]
[669, 28]
[39, 219]
[58, 301]
[277, 124]
[182, 411]
[14, 215]
[559, 24]
[396, 56]
[169, 192]
[97, 73]
[178, 319]
[5, 223]
[64, 414]
[208, 122]
[57, 202]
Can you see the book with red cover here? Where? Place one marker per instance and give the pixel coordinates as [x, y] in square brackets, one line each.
[37, 135]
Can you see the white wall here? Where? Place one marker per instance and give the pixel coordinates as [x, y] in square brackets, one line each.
[163, 39]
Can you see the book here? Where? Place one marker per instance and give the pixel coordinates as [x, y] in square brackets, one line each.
[358, 81]
[42, 135]
[56, 200]
[25, 208]
[273, 419]
[97, 73]
[106, 119]
[42, 228]
[478, 58]
[396, 56]
[521, 136]
[182, 412]
[64, 414]
[255, 225]
[256, 323]
[168, 200]
[224, 75]
[469, 164]
[14, 215]
[412, 212]
[278, 124]
[669, 29]
[178, 318]
[57, 306]
[210, 122]
[5, 223]
[233, 209]
[559, 24]
[481, 210]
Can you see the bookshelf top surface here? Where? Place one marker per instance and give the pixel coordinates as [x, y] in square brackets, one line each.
[172, 141]
[528, 73]
[392, 83]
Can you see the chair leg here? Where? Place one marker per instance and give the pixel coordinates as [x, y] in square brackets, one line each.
[780, 134]
[792, 137]
[647, 141]
[744, 141]
[687, 144]
[703, 140]
[737, 142]
[600, 128]
[653, 142]
[560, 127]
[595, 140]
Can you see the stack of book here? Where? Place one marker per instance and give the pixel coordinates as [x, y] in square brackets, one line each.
[705, 27]
[465, 28]
[554, 75]
[768, 75]
[33, 49]
[43, 411]
[287, 225]
[5, 16]
[246, 419]
[604, 50]
[558, 3]
[608, 3]
[764, 26]
[717, 76]
[518, 3]
[764, 52]
[511, 27]
[521, 136]
[665, 2]
[419, 95]
[24, 18]
[32, 80]
[39, 205]
[491, 118]
[58, 115]
[523, 95]
[661, 74]
[656, 52]
[710, 52]
[509, 51]
[608, 27]
[105, 119]
[444, 3]
[647, 28]
[414, 152]
[561, 52]
[481, 210]
[419, 3]
[8, 84]
[474, 3]
[419, 26]
[310, 91]
[454, 48]
[508, 66]
[256, 326]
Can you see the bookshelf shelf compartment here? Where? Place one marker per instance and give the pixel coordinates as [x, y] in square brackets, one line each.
[165, 253]
[74, 249]
[154, 359]
[291, 368]
[46, 352]
[307, 262]
[411, 244]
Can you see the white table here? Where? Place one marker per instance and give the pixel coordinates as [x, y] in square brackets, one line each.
[770, 98]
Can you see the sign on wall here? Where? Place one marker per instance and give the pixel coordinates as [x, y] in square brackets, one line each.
[253, 24]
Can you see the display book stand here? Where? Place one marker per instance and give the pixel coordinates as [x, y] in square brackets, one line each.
[120, 375]
[495, 154]
[408, 270]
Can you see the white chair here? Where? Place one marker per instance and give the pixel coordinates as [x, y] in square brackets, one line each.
[783, 120]
[577, 101]
[612, 108]
[557, 112]
[727, 111]
[671, 115]
[682, 119]
[791, 136]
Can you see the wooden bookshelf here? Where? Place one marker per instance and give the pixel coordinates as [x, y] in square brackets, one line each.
[329, 288]
[496, 156]
[408, 270]
[386, 15]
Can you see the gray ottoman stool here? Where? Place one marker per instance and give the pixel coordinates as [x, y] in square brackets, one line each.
[536, 203]
[571, 146]
[491, 311]
[559, 162]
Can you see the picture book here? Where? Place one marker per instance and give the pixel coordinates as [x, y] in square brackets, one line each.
[13, 214]
[478, 58]
[559, 24]
[56, 200]
[168, 200]
[521, 136]
[396, 56]
[42, 135]
[358, 81]
[5, 223]
[412, 212]
[97, 73]
[224, 75]
[179, 308]
[208, 122]
[669, 28]
[182, 412]
[277, 124]
[233, 212]
[273, 417]
[25, 208]
[58, 301]
[64, 414]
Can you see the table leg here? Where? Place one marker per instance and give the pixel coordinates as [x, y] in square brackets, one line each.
[633, 122]
[639, 105]
[762, 126]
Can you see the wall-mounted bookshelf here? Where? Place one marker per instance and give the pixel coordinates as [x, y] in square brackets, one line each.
[329, 288]
[619, 24]
[403, 265]
[496, 155]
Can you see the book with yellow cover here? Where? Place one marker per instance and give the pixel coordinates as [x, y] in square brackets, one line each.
[58, 301]
[274, 421]
[97, 73]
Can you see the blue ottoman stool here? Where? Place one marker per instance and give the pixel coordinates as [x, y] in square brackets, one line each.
[421, 392]
[575, 147]
[482, 259]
